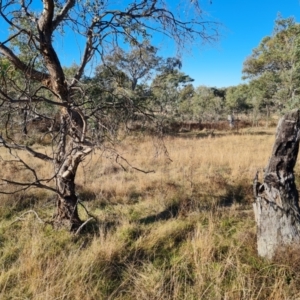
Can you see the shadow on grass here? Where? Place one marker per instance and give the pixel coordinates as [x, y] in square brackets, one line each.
[170, 212]
[86, 194]
[94, 227]
[239, 194]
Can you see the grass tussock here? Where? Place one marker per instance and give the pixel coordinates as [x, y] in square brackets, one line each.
[184, 231]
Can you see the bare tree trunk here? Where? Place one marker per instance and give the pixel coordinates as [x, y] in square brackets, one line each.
[67, 201]
[276, 206]
[67, 211]
[268, 115]
[70, 152]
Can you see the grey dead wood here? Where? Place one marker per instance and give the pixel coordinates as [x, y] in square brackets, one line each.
[276, 206]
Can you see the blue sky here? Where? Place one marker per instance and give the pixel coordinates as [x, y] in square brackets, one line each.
[245, 23]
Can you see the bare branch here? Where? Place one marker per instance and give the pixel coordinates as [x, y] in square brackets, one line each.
[26, 148]
[82, 225]
[32, 99]
[88, 54]
[14, 36]
[26, 213]
[87, 212]
[132, 167]
[25, 9]
[63, 13]
[38, 154]
[28, 72]
[27, 185]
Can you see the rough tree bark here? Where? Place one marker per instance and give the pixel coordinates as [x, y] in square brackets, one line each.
[70, 152]
[72, 146]
[276, 205]
[71, 149]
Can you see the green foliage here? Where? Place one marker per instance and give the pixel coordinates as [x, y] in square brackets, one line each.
[273, 67]
[137, 64]
[204, 104]
[237, 98]
[170, 87]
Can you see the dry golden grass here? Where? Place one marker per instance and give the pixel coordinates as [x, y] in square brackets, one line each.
[185, 231]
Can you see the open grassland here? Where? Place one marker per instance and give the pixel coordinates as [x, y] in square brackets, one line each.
[184, 231]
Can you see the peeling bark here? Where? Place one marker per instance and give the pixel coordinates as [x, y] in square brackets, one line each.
[67, 212]
[71, 149]
[276, 205]
[68, 157]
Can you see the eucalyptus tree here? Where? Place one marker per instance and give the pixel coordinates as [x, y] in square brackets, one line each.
[35, 76]
[167, 87]
[204, 105]
[276, 64]
[138, 64]
[237, 98]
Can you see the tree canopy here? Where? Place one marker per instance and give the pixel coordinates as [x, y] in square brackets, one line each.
[36, 84]
[275, 64]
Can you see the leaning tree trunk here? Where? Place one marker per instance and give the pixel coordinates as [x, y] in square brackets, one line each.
[276, 206]
[71, 151]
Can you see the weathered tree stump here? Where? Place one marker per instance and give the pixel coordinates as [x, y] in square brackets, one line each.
[276, 206]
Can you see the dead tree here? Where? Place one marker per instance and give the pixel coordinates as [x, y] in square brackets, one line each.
[276, 206]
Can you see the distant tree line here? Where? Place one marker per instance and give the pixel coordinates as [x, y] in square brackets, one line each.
[272, 74]
[158, 85]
